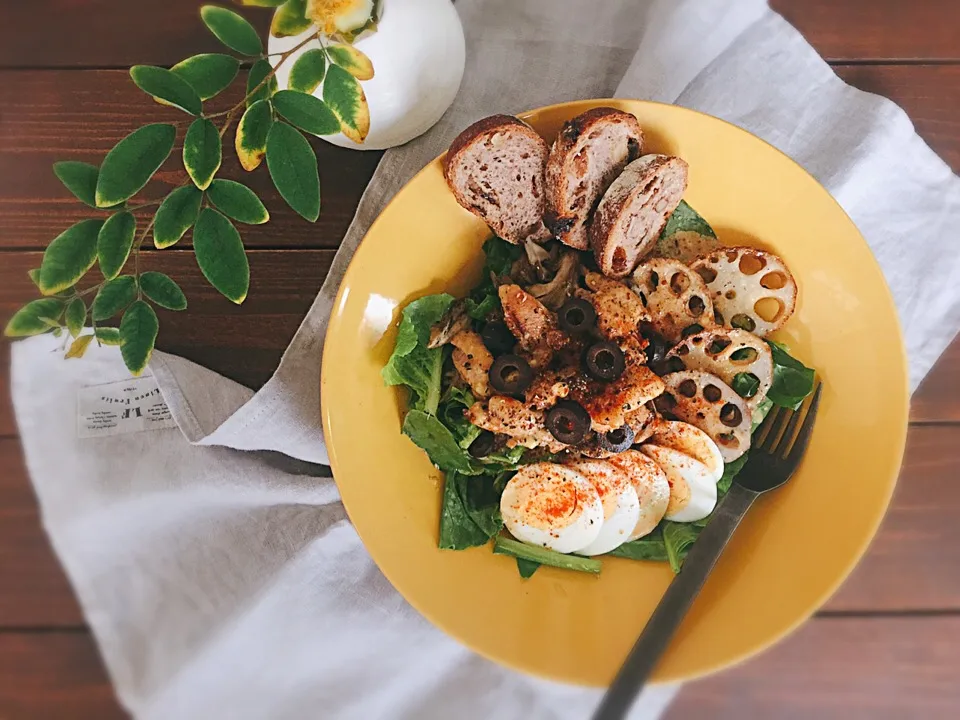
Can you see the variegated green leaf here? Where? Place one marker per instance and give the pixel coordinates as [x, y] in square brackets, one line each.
[293, 169]
[237, 201]
[261, 3]
[290, 19]
[29, 320]
[113, 297]
[69, 256]
[306, 112]
[308, 71]
[107, 335]
[75, 316]
[202, 152]
[220, 255]
[114, 242]
[166, 87]
[261, 82]
[163, 290]
[251, 140]
[208, 74]
[351, 60]
[232, 30]
[343, 94]
[132, 162]
[80, 178]
[177, 214]
[138, 334]
[79, 346]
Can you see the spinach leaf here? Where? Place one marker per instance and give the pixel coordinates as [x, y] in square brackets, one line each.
[730, 471]
[412, 363]
[745, 384]
[760, 412]
[686, 219]
[649, 547]
[527, 567]
[792, 380]
[678, 537]
[457, 530]
[481, 498]
[500, 256]
[433, 437]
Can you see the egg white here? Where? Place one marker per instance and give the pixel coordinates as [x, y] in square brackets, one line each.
[552, 506]
[690, 440]
[621, 506]
[650, 483]
[693, 489]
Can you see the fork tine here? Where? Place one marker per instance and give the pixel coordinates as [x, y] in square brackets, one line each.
[769, 443]
[795, 418]
[761, 434]
[806, 430]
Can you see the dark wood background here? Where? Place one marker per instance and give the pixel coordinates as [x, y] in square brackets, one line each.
[886, 646]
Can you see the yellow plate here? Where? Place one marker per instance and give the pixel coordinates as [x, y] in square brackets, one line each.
[797, 544]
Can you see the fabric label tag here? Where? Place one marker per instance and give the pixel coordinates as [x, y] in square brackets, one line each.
[126, 406]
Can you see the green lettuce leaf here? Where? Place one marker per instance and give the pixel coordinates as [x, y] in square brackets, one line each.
[678, 537]
[434, 438]
[412, 363]
[527, 568]
[457, 530]
[500, 256]
[792, 380]
[649, 547]
[686, 219]
[452, 406]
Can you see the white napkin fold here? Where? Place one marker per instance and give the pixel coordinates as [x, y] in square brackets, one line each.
[228, 584]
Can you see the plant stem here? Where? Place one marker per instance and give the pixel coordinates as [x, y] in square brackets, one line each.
[284, 56]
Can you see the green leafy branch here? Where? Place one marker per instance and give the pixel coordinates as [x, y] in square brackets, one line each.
[324, 97]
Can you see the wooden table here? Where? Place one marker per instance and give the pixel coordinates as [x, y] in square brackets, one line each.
[886, 646]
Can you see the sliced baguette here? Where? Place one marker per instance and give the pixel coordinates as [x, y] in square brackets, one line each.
[495, 169]
[634, 211]
[589, 153]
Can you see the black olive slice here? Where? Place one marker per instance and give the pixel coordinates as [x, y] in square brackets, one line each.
[604, 361]
[657, 345]
[510, 375]
[568, 422]
[617, 440]
[483, 444]
[498, 338]
[577, 315]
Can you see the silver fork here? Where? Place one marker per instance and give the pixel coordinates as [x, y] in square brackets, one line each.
[773, 460]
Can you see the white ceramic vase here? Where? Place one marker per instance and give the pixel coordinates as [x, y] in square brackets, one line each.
[418, 56]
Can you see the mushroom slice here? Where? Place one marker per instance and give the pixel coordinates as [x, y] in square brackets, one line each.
[675, 296]
[751, 289]
[739, 358]
[706, 401]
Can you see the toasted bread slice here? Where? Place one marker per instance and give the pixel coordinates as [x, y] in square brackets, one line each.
[589, 153]
[634, 211]
[495, 169]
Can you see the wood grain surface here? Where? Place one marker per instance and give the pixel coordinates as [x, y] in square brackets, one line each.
[884, 647]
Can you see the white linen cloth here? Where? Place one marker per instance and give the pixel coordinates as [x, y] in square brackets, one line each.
[231, 585]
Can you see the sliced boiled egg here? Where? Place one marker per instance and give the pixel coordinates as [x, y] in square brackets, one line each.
[690, 440]
[693, 488]
[552, 506]
[621, 507]
[650, 483]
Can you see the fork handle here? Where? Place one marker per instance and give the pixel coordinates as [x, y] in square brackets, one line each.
[675, 603]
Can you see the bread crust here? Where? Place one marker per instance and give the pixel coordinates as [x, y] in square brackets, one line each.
[476, 133]
[559, 217]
